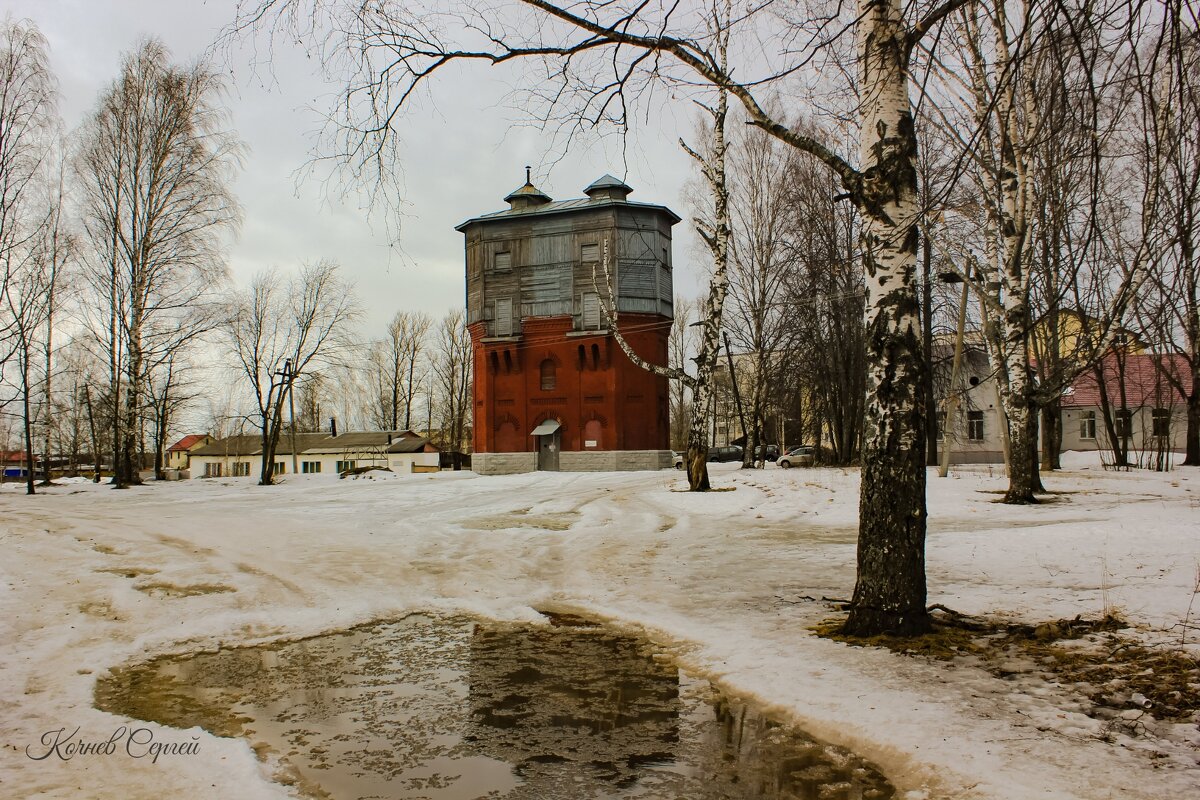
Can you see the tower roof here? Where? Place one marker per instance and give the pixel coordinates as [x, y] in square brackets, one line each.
[605, 191]
[608, 183]
[528, 192]
[527, 195]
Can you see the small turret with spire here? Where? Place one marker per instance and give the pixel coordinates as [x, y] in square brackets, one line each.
[528, 196]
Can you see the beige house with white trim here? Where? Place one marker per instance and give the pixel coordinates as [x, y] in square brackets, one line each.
[402, 452]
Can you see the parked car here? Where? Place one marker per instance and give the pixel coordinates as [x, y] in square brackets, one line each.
[768, 452]
[729, 453]
[799, 456]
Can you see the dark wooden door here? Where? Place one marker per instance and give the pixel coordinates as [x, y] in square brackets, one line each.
[548, 447]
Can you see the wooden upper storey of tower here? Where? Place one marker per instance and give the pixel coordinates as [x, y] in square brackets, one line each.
[541, 258]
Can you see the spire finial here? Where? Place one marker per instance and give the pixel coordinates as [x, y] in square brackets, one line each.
[527, 178]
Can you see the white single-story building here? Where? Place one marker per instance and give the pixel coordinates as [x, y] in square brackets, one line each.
[403, 452]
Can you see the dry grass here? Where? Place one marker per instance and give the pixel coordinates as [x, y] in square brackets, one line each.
[1112, 670]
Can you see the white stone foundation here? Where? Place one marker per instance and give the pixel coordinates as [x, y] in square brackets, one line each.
[586, 461]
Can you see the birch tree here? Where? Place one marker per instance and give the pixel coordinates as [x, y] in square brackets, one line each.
[155, 167]
[27, 115]
[29, 266]
[1039, 83]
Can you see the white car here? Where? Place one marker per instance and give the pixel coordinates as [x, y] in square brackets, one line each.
[799, 456]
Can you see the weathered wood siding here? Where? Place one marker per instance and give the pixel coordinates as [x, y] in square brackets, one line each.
[549, 271]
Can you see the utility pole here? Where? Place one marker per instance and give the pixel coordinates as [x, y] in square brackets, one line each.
[952, 391]
[737, 397]
[287, 366]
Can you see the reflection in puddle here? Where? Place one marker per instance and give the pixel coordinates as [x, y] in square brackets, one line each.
[455, 709]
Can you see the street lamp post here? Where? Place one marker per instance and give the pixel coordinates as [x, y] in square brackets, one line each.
[289, 381]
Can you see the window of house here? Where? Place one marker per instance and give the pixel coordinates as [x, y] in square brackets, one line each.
[1161, 420]
[502, 261]
[212, 470]
[941, 425]
[345, 466]
[504, 326]
[589, 253]
[975, 426]
[1124, 423]
[591, 310]
[549, 379]
[240, 469]
[310, 467]
[280, 467]
[1087, 425]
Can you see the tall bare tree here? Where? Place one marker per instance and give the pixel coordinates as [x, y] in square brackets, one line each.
[279, 330]
[762, 220]
[824, 345]
[451, 383]
[712, 222]
[681, 349]
[1167, 152]
[393, 363]
[155, 168]
[29, 267]
[27, 115]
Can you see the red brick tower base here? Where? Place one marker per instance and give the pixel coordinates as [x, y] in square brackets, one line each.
[556, 398]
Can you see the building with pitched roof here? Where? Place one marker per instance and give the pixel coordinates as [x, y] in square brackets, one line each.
[1128, 401]
[552, 388]
[179, 454]
[322, 453]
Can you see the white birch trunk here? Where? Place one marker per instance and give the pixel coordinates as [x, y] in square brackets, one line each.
[890, 593]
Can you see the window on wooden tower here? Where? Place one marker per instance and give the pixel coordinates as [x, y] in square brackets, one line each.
[503, 262]
[548, 377]
[591, 311]
[504, 324]
[589, 253]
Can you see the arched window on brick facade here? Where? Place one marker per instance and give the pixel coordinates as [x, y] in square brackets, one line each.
[549, 379]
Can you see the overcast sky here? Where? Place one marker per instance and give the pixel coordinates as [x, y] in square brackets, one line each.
[462, 155]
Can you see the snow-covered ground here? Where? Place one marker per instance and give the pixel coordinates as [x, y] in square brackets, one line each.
[92, 578]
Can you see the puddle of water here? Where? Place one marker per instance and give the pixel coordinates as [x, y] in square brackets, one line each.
[455, 709]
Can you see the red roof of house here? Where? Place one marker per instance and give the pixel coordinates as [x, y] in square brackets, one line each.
[188, 442]
[1144, 381]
